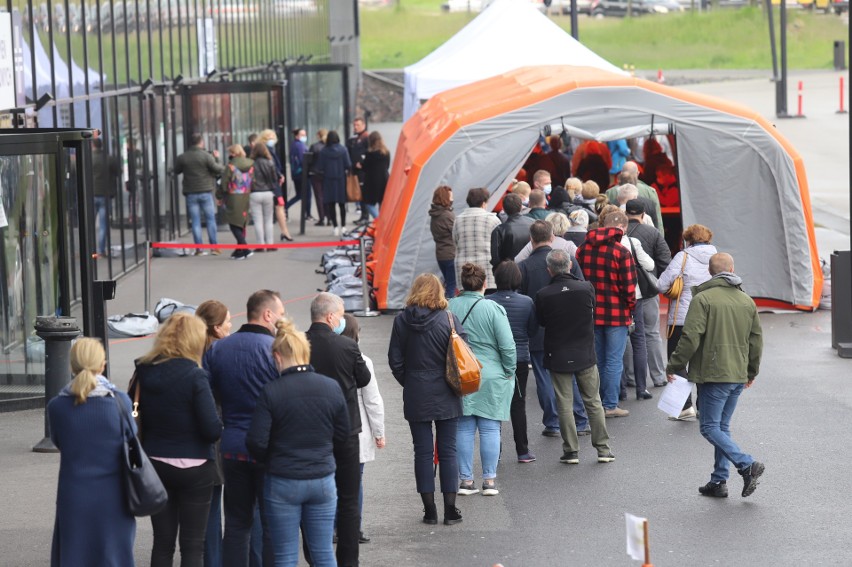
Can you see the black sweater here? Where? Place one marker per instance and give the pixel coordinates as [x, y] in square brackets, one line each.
[179, 418]
[297, 420]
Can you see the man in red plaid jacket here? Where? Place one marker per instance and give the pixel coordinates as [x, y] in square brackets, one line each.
[611, 269]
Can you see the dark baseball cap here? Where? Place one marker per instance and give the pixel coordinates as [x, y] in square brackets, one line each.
[634, 207]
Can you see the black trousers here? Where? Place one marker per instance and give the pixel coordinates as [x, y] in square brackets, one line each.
[185, 515]
[243, 491]
[239, 233]
[332, 214]
[671, 345]
[424, 452]
[518, 409]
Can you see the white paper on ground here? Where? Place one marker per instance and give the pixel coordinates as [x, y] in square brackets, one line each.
[674, 396]
[635, 536]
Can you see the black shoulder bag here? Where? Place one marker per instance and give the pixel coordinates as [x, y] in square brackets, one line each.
[144, 492]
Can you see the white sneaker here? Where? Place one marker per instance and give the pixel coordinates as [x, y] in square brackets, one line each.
[688, 413]
[336, 231]
[467, 488]
[489, 488]
[342, 229]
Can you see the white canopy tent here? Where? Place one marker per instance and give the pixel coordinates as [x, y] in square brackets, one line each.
[508, 34]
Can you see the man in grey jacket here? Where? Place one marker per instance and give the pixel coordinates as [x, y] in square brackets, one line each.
[200, 170]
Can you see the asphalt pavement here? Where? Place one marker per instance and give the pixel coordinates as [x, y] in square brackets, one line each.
[795, 419]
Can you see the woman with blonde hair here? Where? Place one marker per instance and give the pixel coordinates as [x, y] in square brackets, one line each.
[179, 426]
[269, 139]
[264, 194]
[93, 525]
[298, 419]
[417, 356]
[560, 225]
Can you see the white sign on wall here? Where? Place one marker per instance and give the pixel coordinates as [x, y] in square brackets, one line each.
[207, 48]
[7, 63]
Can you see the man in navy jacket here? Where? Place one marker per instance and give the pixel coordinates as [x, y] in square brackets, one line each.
[240, 365]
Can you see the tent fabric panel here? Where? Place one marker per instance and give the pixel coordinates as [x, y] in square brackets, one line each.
[761, 228]
[534, 103]
[484, 47]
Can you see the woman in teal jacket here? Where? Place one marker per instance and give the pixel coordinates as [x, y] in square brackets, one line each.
[490, 338]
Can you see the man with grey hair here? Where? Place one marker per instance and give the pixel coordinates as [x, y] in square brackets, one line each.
[339, 357]
[566, 312]
[630, 174]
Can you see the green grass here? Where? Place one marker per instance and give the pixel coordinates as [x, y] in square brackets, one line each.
[397, 36]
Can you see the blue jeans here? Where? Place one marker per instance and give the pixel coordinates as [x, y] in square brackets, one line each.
[196, 203]
[373, 210]
[309, 502]
[609, 349]
[489, 445]
[716, 404]
[544, 389]
[101, 207]
[448, 270]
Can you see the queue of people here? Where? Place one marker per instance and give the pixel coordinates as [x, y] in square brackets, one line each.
[579, 284]
[266, 420]
[251, 186]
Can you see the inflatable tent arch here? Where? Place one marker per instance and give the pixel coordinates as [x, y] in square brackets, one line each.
[738, 175]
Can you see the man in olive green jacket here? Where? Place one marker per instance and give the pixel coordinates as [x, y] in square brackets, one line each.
[722, 343]
[200, 170]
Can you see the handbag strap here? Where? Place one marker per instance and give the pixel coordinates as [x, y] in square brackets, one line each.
[683, 264]
[677, 301]
[471, 309]
[452, 325]
[134, 385]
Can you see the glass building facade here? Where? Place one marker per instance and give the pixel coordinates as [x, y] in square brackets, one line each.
[145, 74]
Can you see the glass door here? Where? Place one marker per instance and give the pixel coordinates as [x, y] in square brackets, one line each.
[317, 97]
[46, 244]
[227, 113]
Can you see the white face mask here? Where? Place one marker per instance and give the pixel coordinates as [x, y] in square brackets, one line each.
[525, 202]
[303, 139]
[547, 189]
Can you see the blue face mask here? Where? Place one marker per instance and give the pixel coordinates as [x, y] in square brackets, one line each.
[270, 144]
[340, 326]
[303, 139]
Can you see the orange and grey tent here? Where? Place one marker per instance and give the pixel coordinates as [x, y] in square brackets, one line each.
[738, 175]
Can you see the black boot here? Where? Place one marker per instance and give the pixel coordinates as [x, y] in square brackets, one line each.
[430, 515]
[452, 515]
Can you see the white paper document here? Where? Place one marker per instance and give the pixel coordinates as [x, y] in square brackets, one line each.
[635, 536]
[674, 396]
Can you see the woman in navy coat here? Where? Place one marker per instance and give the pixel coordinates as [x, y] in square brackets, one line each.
[417, 357]
[93, 525]
[333, 165]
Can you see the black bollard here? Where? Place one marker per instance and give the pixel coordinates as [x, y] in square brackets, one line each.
[57, 333]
